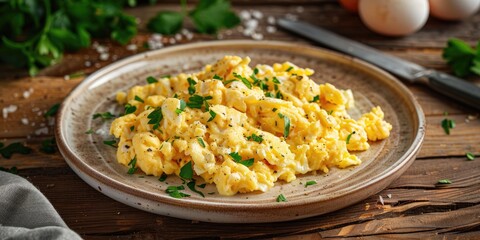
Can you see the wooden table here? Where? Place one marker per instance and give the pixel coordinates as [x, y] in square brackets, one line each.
[417, 208]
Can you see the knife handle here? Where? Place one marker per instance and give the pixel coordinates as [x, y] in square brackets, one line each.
[455, 88]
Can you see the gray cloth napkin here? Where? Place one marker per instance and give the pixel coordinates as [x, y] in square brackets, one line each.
[26, 214]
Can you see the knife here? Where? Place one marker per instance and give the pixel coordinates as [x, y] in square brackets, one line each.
[451, 86]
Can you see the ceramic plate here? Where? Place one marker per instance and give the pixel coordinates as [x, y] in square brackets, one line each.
[95, 162]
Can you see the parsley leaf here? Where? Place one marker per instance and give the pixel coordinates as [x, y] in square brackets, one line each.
[281, 198]
[182, 107]
[191, 186]
[349, 136]
[310, 183]
[255, 138]
[315, 99]
[197, 101]
[275, 80]
[448, 124]
[238, 159]
[286, 125]
[201, 142]
[216, 77]
[166, 22]
[209, 16]
[460, 56]
[163, 177]
[244, 80]
[289, 69]
[52, 111]
[89, 131]
[138, 99]
[12, 148]
[174, 191]
[191, 86]
[129, 108]
[212, 115]
[48, 146]
[186, 172]
[444, 181]
[151, 80]
[103, 116]
[133, 165]
[470, 156]
[155, 117]
[111, 143]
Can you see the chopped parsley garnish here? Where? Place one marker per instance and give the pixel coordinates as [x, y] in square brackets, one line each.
[289, 69]
[104, 116]
[286, 125]
[129, 108]
[244, 80]
[197, 101]
[191, 86]
[166, 76]
[138, 99]
[274, 109]
[48, 146]
[52, 111]
[151, 80]
[174, 191]
[133, 166]
[349, 136]
[163, 177]
[310, 183]
[111, 143]
[186, 172]
[255, 138]
[444, 181]
[203, 185]
[448, 124]
[281, 198]
[255, 71]
[238, 159]
[89, 131]
[200, 141]
[12, 170]
[132, 128]
[216, 77]
[155, 117]
[182, 107]
[275, 80]
[330, 112]
[316, 98]
[269, 94]
[191, 186]
[12, 148]
[229, 81]
[470, 156]
[212, 115]
[279, 95]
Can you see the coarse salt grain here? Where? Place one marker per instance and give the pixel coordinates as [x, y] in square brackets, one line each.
[381, 200]
[257, 14]
[88, 63]
[244, 14]
[271, 20]
[9, 109]
[389, 195]
[291, 17]
[66, 77]
[24, 121]
[178, 37]
[104, 56]
[100, 132]
[26, 94]
[156, 37]
[257, 36]
[132, 47]
[271, 29]
[172, 41]
[40, 131]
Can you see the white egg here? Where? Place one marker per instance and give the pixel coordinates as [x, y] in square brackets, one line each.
[394, 17]
[453, 9]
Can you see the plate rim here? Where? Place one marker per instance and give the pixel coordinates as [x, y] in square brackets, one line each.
[77, 164]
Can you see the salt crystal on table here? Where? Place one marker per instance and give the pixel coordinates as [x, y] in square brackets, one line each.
[156, 36]
[43, 130]
[244, 14]
[132, 47]
[88, 63]
[104, 56]
[172, 41]
[257, 14]
[381, 200]
[291, 17]
[389, 195]
[271, 20]
[24, 121]
[251, 24]
[257, 36]
[9, 109]
[178, 37]
[271, 29]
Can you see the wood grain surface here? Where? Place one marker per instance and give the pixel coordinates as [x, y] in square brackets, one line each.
[414, 206]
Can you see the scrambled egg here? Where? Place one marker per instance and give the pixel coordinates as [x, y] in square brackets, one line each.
[242, 129]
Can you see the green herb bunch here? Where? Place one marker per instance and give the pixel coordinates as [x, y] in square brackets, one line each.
[36, 33]
[463, 59]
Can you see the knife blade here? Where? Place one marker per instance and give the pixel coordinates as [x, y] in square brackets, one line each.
[451, 86]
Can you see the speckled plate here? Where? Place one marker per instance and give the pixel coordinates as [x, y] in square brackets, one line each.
[95, 162]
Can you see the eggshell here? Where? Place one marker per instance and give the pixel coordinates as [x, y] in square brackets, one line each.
[394, 17]
[453, 9]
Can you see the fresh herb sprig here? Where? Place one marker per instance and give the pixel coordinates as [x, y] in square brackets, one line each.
[12, 148]
[463, 59]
